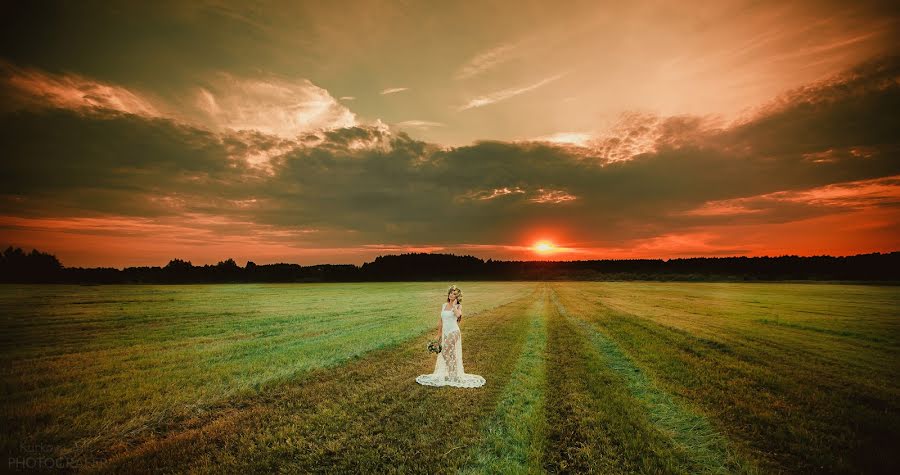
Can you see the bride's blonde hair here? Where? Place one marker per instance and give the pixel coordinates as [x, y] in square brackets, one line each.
[458, 293]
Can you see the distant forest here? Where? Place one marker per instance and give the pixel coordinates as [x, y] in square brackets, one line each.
[17, 266]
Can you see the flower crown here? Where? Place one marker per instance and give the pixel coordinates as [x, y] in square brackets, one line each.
[458, 292]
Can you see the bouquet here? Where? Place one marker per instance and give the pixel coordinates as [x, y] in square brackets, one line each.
[434, 346]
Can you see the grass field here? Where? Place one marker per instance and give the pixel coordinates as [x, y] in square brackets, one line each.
[609, 377]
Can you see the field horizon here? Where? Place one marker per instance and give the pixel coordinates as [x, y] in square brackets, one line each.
[16, 266]
[613, 377]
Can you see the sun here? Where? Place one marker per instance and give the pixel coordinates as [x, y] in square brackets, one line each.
[543, 247]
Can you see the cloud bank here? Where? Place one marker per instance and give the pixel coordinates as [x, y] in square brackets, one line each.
[816, 170]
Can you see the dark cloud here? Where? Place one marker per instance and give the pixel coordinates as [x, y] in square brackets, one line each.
[110, 162]
[169, 41]
[392, 188]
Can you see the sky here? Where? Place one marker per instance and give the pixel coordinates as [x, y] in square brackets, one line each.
[334, 132]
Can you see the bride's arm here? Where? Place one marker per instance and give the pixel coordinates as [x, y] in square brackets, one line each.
[459, 317]
[440, 329]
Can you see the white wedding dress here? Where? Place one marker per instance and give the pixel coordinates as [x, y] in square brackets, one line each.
[448, 369]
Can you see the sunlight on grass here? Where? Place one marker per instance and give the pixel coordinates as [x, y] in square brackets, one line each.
[98, 365]
[650, 377]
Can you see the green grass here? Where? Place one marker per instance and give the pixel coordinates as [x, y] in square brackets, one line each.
[513, 436]
[700, 447]
[610, 377]
[367, 413]
[89, 368]
[597, 423]
[791, 400]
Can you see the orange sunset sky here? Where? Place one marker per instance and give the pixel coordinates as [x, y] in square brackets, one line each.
[334, 132]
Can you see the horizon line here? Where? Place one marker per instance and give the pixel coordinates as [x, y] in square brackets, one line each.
[461, 255]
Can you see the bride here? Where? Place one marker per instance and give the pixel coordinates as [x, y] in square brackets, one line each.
[448, 369]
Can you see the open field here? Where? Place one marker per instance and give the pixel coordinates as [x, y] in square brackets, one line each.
[612, 377]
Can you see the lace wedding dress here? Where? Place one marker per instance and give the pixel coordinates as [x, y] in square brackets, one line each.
[448, 369]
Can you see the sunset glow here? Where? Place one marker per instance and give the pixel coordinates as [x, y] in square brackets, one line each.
[272, 133]
[544, 247]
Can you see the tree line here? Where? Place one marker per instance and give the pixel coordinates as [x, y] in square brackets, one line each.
[17, 266]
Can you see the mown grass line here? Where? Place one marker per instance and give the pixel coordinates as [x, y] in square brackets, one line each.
[774, 411]
[826, 331]
[513, 437]
[691, 433]
[596, 425]
[729, 315]
[368, 415]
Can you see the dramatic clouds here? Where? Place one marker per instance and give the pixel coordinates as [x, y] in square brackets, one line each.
[25, 87]
[271, 106]
[828, 151]
[321, 148]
